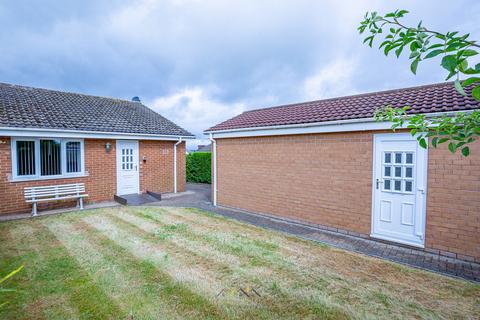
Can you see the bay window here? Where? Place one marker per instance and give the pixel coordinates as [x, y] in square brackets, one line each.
[42, 158]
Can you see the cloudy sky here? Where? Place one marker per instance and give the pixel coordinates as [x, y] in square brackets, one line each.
[199, 62]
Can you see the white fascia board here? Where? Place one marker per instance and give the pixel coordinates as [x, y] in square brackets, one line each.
[307, 128]
[365, 124]
[54, 133]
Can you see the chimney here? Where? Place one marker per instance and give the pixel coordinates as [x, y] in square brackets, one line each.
[136, 99]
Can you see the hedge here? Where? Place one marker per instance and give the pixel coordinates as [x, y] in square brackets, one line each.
[199, 167]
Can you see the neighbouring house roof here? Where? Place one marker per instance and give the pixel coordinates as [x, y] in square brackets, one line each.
[26, 107]
[204, 148]
[441, 97]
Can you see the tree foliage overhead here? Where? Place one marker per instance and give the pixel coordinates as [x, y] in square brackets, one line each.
[455, 51]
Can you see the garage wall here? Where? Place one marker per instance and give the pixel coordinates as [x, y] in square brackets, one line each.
[326, 179]
[453, 203]
[323, 179]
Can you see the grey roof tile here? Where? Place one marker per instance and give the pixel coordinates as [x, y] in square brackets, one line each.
[27, 107]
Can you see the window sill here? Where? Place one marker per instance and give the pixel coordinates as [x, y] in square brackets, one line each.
[83, 175]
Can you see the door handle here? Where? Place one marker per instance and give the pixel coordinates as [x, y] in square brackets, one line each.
[378, 182]
[422, 190]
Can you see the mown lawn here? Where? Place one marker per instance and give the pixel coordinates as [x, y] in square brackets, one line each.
[170, 263]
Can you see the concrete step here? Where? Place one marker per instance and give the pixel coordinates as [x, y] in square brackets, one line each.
[135, 199]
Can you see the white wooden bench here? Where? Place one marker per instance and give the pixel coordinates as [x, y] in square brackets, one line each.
[53, 193]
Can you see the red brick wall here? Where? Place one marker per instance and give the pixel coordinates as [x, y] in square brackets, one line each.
[326, 179]
[453, 202]
[156, 174]
[321, 179]
[100, 182]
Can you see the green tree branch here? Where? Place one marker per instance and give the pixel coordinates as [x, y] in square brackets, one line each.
[460, 129]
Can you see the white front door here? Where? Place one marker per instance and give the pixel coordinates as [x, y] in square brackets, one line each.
[399, 189]
[127, 167]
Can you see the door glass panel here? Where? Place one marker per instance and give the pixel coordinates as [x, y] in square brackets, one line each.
[388, 157]
[409, 158]
[398, 172]
[398, 157]
[408, 186]
[387, 185]
[127, 159]
[402, 171]
[388, 171]
[409, 172]
[398, 185]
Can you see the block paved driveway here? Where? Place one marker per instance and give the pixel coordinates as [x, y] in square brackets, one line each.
[198, 196]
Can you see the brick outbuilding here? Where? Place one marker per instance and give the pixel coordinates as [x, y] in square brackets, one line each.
[113, 146]
[327, 163]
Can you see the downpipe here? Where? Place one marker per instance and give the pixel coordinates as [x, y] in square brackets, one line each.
[175, 165]
[214, 169]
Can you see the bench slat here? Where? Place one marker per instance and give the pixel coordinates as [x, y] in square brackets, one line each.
[46, 194]
[53, 196]
[54, 191]
[55, 186]
[60, 198]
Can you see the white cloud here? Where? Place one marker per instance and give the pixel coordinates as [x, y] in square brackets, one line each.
[199, 62]
[195, 109]
[334, 79]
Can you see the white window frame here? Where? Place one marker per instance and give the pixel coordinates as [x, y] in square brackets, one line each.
[63, 150]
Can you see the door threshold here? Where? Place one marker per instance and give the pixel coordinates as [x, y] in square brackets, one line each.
[397, 242]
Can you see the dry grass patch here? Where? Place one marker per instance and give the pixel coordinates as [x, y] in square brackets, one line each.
[147, 262]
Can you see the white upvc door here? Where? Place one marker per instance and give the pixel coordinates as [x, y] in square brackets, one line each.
[399, 189]
[128, 180]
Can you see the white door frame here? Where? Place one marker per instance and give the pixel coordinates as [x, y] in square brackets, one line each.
[420, 186]
[136, 163]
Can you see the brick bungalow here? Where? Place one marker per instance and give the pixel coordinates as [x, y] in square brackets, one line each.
[327, 163]
[113, 146]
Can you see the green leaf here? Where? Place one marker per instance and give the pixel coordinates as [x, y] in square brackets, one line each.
[384, 43]
[413, 66]
[459, 88]
[469, 81]
[442, 140]
[452, 147]
[454, 46]
[414, 54]
[368, 39]
[468, 52]
[433, 53]
[449, 62]
[423, 143]
[436, 45]
[465, 151]
[434, 142]
[398, 52]
[476, 93]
